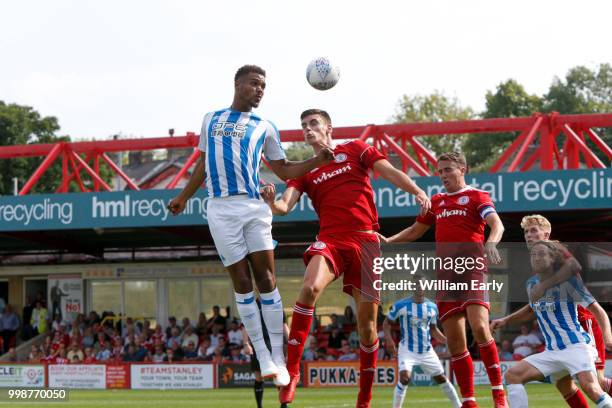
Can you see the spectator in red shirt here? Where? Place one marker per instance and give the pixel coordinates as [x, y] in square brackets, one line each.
[349, 317]
[90, 356]
[158, 335]
[60, 356]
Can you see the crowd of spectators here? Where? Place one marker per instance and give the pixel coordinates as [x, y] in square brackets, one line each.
[219, 338]
[90, 339]
[529, 341]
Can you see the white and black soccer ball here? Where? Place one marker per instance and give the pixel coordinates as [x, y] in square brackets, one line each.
[322, 74]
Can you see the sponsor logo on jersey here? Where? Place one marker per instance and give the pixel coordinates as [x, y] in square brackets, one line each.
[326, 176]
[229, 129]
[442, 203]
[463, 200]
[449, 213]
[319, 245]
[339, 158]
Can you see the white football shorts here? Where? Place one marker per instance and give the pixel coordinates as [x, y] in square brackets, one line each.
[572, 360]
[429, 361]
[239, 225]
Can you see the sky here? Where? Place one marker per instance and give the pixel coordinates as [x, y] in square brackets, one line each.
[138, 68]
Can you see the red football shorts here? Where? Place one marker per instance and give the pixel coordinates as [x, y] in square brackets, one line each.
[351, 255]
[454, 300]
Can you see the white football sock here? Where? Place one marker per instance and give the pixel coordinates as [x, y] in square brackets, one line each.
[399, 394]
[249, 314]
[272, 311]
[451, 393]
[517, 396]
[605, 401]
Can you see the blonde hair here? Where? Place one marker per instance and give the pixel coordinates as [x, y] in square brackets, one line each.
[536, 219]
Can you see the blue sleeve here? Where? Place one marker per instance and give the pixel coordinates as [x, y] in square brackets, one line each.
[579, 293]
[273, 149]
[202, 145]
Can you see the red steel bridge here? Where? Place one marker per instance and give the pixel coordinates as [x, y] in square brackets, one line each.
[561, 142]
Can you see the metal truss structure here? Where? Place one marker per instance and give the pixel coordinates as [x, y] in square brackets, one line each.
[548, 141]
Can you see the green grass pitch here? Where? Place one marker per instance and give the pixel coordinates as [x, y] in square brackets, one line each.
[540, 396]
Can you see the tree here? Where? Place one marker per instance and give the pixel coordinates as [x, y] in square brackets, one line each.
[584, 91]
[435, 107]
[22, 125]
[509, 100]
[298, 151]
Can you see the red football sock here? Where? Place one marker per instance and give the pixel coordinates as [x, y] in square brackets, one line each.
[488, 353]
[300, 326]
[367, 369]
[577, 400]
[463, 367]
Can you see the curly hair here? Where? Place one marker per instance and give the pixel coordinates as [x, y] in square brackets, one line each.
[554, 249]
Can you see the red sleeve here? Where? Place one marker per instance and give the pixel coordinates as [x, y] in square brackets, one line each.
[298, 183]
[368, 155]
[484, 204]
[565, 253]
[427, 219]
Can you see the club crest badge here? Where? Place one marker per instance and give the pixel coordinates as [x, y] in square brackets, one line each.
[339, 158]
[319, 245]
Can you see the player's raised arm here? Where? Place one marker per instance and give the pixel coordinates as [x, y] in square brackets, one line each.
[286, 169]
[177, 204]
[570, 267]
[285, 204]
[412, 233]
[403, 181]
[495, 235]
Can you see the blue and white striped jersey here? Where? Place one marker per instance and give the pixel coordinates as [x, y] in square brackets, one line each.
[232, 143]
[557, 312]
[414, 319]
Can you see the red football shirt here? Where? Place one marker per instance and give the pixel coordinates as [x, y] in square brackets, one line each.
[459, 216]
[341, 192]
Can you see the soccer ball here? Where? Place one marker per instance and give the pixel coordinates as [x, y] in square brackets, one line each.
[322, 74]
